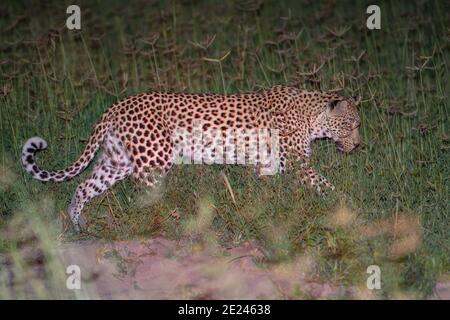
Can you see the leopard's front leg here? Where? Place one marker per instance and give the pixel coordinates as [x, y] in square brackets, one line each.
[300, 152]
[308, 176]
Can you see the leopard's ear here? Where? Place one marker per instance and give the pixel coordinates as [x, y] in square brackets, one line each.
[336, 107]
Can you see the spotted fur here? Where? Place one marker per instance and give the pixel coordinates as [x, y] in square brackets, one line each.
[137, 134]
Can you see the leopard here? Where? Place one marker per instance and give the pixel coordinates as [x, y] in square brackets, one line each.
[137, 135]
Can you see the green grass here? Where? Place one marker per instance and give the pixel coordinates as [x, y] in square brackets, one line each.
[55, 83]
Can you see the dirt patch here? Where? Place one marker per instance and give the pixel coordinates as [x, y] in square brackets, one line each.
[441, 291]
[159, 268]
[165, 269]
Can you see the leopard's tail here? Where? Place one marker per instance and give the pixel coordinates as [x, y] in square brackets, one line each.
[37, 144]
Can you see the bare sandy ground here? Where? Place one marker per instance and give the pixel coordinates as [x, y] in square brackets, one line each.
[165, 269]
[159, 268]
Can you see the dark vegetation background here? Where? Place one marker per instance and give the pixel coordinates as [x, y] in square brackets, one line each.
[391, 207]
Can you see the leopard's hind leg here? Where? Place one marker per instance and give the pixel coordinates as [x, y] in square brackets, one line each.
[152, 159]
[152, 173]
[113, 165]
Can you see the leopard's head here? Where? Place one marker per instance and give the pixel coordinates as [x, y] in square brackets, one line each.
[341, 121]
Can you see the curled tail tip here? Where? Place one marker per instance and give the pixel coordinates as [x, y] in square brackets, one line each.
[34, 144]
[29, 149]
